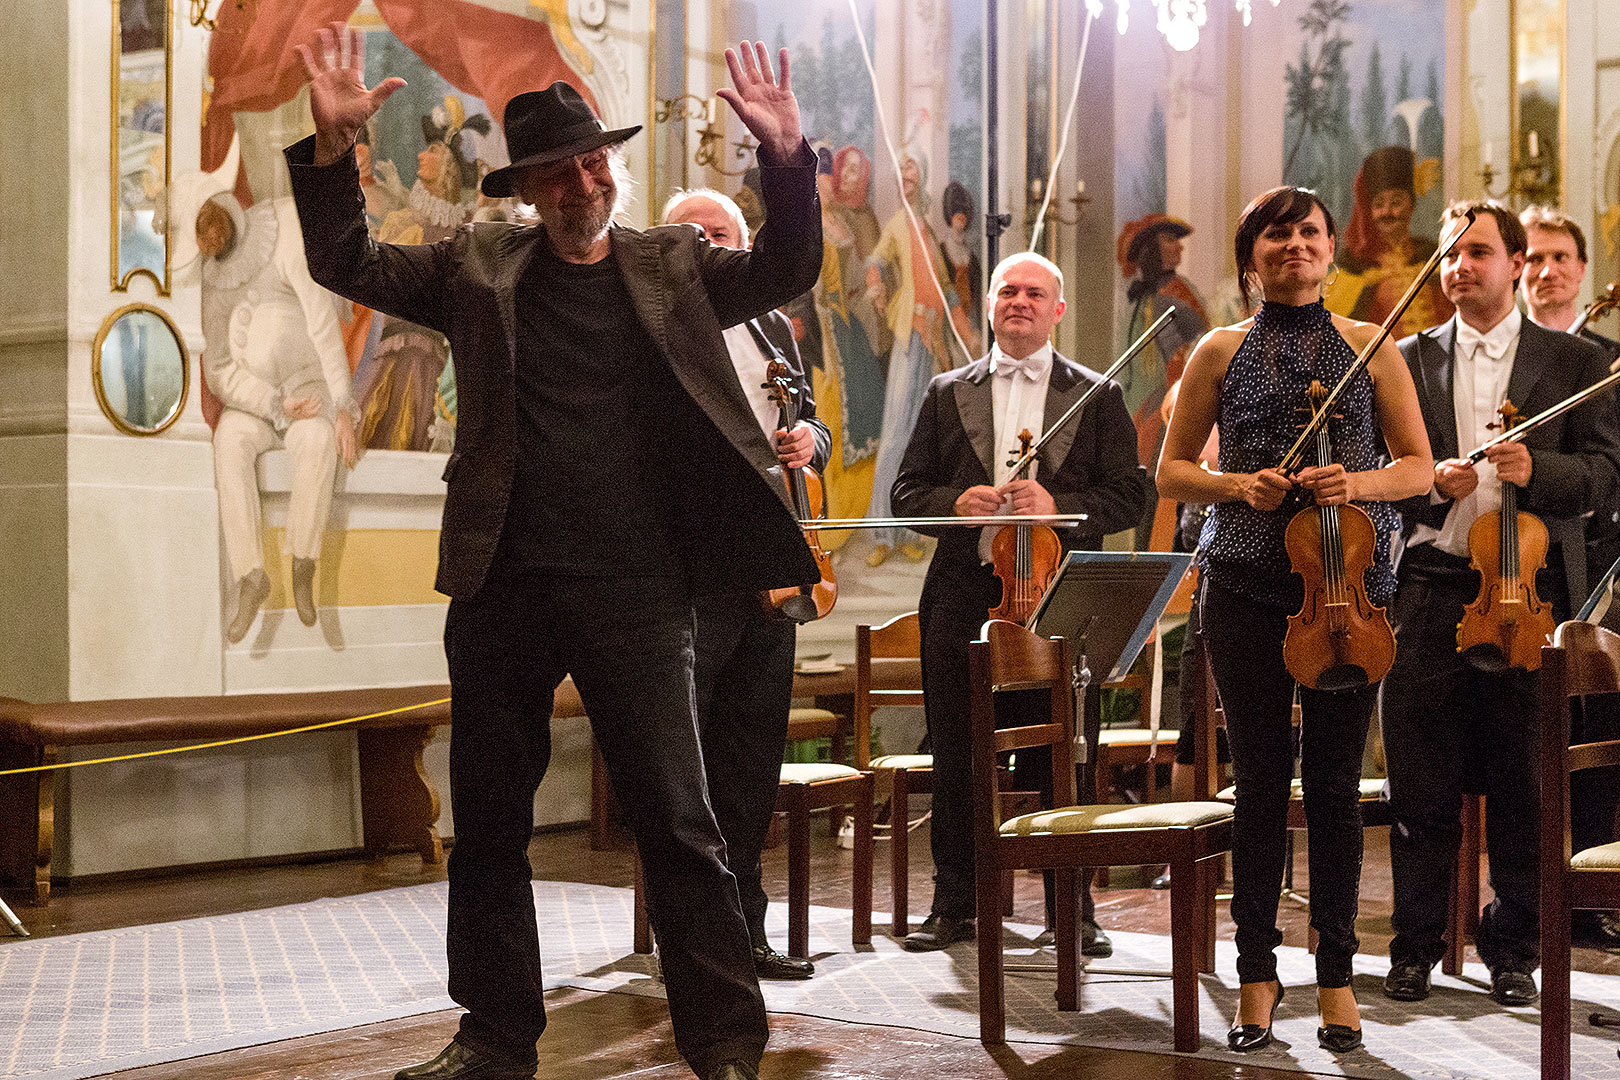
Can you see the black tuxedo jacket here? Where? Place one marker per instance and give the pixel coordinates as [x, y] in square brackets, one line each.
[1575, 458]
[736, 530]
[1089, 467]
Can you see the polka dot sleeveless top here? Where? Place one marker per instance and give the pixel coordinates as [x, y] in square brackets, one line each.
[1263, 405]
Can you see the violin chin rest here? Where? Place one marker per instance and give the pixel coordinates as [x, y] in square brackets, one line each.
[1486, 657]
[1342, 677]
[800, 608]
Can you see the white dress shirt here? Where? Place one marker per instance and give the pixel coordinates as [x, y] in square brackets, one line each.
[749, 360]
[1018, 390]
[1484, 364]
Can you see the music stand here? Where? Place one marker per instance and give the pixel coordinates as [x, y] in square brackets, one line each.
[1600, 607]
[1107, 603]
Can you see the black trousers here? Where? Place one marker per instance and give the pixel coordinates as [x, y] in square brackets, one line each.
[744, 678]
[628, 644]
[1449, 728]
[952, 610]
[1244, 641]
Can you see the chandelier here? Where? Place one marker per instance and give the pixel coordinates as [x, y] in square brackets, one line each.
[1178, 20]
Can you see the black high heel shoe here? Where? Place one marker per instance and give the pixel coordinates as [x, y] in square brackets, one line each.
[1338, 1038]
[1246, 1037]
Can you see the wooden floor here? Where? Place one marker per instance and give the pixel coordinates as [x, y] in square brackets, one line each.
[601, 1036]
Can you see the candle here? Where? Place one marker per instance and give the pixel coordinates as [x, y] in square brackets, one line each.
[1487, 155]
[1080, 189]
[1535, 145]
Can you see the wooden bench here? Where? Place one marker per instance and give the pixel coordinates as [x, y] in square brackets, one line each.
[399, 805]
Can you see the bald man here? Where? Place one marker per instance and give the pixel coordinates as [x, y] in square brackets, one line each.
[744, 654]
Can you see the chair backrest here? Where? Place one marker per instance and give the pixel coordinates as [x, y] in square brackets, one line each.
[888, 671]
[1583, 659]
[1009, 657]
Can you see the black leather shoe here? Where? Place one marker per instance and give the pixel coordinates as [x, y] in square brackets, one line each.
[733, 1070]
[1093, 942]
[1407, 981]
[770, 964]
[1511, 987]
[1596, 930]
[1338, 1039]
[460, 1062]
[938, 932]
[1162, 881]
[1246, 1037]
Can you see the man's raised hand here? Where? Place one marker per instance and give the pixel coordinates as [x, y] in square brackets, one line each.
[765, 105]
[338, 97]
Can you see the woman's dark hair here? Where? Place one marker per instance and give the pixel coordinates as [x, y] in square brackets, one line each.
[1279, 206]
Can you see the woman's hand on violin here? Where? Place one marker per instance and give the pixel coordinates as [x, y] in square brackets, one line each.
[1265, 489]
[1331, 485]
[981, 500]
[795, 448]
[1455, 478]
[1512, 461]
[1028, 497]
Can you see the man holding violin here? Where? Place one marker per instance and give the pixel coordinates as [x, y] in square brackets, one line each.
[608, 467]
[958, 463]
[1452, 723]
[743, 651]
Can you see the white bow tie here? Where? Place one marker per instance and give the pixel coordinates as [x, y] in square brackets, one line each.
[1033, 366]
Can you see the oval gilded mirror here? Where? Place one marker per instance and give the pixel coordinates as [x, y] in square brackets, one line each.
[140, 371]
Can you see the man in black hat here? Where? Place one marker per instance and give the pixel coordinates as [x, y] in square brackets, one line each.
[607, 467]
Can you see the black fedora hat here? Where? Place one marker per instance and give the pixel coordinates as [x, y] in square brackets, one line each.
[543, 126]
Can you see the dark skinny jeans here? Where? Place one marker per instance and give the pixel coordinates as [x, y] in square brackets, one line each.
[1244, 640]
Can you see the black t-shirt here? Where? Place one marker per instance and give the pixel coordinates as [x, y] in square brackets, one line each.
[589, 495]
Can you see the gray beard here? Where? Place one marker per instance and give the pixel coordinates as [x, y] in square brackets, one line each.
[581, 231]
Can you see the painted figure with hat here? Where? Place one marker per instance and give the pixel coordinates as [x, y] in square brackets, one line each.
[608, 468]
[1380, 257]
[1149, 252]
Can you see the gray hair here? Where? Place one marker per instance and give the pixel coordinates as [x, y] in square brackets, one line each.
[1026, 257]
[719, 198]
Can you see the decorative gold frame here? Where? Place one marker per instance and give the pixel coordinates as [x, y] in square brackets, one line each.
[117, 52]
[101, 391]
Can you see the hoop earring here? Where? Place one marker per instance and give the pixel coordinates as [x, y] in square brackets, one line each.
[1334, 276]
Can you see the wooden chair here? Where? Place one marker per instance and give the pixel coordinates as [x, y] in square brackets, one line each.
[1187, 836]
[802, 790]
[888, 671]
[1583, 659]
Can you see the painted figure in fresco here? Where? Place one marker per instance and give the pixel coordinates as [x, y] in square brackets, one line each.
[907, 280]
[274, 357]
[1149, 252]
[1380, 257]
[960, 258]
[743, 653]
[608, 472]
[398, 390]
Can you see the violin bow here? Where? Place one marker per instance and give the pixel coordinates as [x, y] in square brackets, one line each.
[1524, 427]
[1126, 357]
[1440, 252]
[1064, 520]
[1603, 302]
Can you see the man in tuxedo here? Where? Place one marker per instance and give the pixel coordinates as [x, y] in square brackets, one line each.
[594, 387]
[743, 665]
[1450, 726]
[957, 463]
[1554, 268]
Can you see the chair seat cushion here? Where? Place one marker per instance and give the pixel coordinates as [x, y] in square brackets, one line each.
[1081, 819]
[1604, 857]
[815, 773]
[1133, 737]
[904, 761]
[1372, 789]
[812, 716]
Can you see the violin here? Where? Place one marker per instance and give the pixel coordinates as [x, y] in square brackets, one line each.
[801, 603]
[1508, 624]
[1025, 557]
[1340, 640]
[1604, 302]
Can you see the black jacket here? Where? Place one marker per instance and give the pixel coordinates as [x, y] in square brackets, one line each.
[736, 531]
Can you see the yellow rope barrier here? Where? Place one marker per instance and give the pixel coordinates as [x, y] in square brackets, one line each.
[225, 742]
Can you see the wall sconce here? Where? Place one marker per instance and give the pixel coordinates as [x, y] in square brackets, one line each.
[711, 146]
[1037, 191]
[1528, 179]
